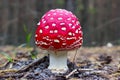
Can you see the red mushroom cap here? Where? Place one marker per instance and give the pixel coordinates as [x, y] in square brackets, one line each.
[59, 30]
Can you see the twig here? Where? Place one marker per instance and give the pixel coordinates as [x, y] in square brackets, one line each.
[18, 75]
[74, 58]
[4, 65]
[85, 69]
[71, 73]
[31, 64]
[91, 71]
[115, 74]
[77, 70]
[8, 70]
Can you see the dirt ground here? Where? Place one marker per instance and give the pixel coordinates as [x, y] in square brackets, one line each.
[86, 63]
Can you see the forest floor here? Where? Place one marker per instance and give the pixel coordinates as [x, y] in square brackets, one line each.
[90, 63]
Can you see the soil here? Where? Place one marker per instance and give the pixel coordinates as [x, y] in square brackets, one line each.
[87, 63]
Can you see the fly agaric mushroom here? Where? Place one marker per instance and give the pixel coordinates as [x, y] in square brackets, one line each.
[58, 32]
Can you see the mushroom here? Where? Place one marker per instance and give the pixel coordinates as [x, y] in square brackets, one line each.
[58, 32]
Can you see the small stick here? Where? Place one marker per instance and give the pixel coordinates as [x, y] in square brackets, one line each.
[8, 70]
[115, 74]
[83, 70]
[75, 70]
[31, 64]
[71, 73]
[4, 65]
[12, 75]
[74, 58]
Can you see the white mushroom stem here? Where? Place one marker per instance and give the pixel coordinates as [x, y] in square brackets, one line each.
[58, 61]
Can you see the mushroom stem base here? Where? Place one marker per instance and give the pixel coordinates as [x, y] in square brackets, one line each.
[58, 62]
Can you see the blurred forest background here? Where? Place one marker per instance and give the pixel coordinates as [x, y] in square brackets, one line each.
[100, 19]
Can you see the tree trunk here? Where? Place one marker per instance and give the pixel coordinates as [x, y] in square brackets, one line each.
[70, 5]
[15, 24]
[31, 19]
[5, 20]
[22, 20]
[91, 22]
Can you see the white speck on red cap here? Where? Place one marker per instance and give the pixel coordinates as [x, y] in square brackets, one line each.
[61, 14]
[73, 21]
[46, 27]
[55, 31]
[60, 18]
[63, 43]
[70, 24]
[40, 31]
[53, 24]
[70, 33]
[54, 13]
[36, 35]
[77, 23]
[49, 14]
[51, 31]
[62, 24]
[44, 21]
[69, 19]
[38, 23]
[76, 31]
[35, 42]
[51, 18]
[56, 40]
[73, 26]
[63, 28]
